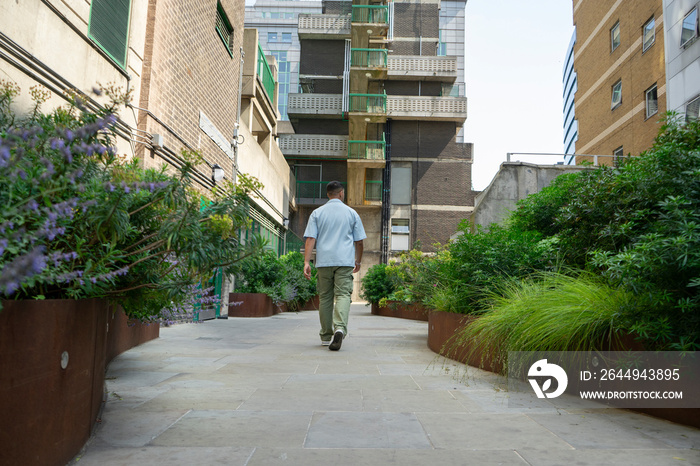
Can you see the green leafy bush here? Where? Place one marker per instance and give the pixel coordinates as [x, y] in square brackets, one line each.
[376, 285]
[282, 279]
[479, 263]
[79, 222]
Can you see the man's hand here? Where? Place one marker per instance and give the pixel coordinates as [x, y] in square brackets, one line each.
[357, 267]
[309, 245]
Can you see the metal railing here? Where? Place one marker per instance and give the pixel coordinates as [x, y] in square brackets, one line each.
[373, 190]
[312, 189]
[541, 158]
[369, 58]
[328, 24]
[374, 14]
[368, 103]
[423, 65]
[367, 150]
[265, 74]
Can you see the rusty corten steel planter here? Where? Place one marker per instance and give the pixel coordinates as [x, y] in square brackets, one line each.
[253, 305]
[52, 365]
[401, 310]
[53, 356]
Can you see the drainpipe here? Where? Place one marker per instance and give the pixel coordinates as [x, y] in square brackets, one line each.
[235, 142]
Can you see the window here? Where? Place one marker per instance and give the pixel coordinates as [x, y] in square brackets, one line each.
[400, 185]
[287, 37]
[648, 34]
[618, 156]
[283, 78]
[224, 28]
[652, 101]
[272, 37]
[400, 234]
[615, 36]
[691, 109]
[616, 95]
[690, 27]
[109, 27]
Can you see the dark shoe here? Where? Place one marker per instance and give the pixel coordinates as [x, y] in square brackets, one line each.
[337, 340]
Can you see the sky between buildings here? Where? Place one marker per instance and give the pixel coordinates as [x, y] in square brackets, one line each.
[515, 52]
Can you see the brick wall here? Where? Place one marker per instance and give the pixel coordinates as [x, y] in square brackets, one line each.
[322, 57]
[432, 227]
[602, 130]
[328, 126]
[424, 139]
[416, 20]
[187, 69]
[443, 182]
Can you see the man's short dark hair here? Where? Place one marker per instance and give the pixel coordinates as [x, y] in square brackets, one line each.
[333, 188]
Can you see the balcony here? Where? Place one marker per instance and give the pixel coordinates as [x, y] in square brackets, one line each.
[371, 107]
[312, 192]
[265, 74]
[369, 21]
[322, 26]
[407, 107]
[315, 105]
[325, 146]
[367, 150]
[370, 14]
[430, 68]
[369, 63]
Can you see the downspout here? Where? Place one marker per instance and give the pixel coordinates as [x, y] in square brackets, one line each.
[237, 124]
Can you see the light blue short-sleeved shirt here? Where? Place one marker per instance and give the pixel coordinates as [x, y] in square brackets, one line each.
[336, 227]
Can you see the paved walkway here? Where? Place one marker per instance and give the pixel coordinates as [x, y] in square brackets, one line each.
[265, 392]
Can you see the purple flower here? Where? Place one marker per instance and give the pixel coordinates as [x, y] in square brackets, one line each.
[68, 135]
[32, 205]
[57, 144]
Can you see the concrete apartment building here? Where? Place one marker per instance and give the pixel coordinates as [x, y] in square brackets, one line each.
[621, 76]
[199, 81]
[682, 56]
[378, 113]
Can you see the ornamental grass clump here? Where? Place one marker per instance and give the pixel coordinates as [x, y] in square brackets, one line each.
[552, 312]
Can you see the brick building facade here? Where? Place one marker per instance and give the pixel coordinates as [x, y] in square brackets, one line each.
[379, 112]
[620, 69]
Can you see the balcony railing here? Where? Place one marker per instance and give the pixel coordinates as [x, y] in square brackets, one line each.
[367, 150]
[373, 191]
[368, 103]
[310, 25]
[265, 74]
[419, 107]
[412, 66]
[320, 105]
[312, 191]
[374, 14]
[314, 145]
[369, 58]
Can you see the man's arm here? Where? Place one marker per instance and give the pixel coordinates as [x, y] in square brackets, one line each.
[308, 251]
[359, 249]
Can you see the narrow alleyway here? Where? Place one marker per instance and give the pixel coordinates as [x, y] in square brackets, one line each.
[265, 392]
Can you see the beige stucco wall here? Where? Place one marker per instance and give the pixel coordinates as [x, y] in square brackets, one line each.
[42, 33]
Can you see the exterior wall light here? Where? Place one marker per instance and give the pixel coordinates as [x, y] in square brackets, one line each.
[217, 173]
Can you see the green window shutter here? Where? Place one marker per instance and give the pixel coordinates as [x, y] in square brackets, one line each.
[109, 27]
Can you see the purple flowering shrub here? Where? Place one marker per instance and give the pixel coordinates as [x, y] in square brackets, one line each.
[77, 221]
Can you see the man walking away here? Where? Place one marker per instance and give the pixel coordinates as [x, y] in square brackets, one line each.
[337, 233]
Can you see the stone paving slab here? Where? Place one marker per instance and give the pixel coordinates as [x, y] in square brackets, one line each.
[247, 391]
